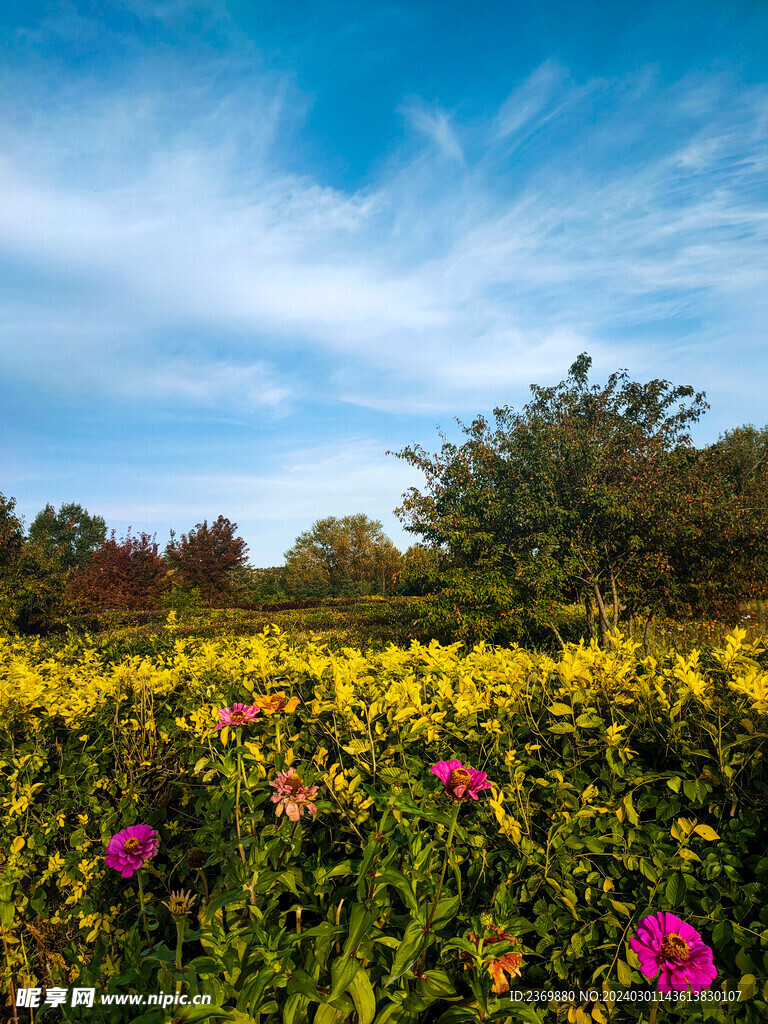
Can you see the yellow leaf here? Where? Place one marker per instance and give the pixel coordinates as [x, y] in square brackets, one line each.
[706, 833]
[18, 844]
[689, 855]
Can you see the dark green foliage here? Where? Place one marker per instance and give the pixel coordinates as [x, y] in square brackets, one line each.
[71, 532]
[594, 494]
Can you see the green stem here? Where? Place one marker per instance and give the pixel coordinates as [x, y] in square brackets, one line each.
[380, 832]
[144, 910]
[448, 846]
[180, 922]
[433, 908]
[287, 845]
[277, 734]
[237, 795]
[654, 1011]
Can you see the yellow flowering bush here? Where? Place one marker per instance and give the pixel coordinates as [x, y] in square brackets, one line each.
[618, 782]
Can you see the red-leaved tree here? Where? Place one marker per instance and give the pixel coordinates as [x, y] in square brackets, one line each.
[125, 575]
[206, 557]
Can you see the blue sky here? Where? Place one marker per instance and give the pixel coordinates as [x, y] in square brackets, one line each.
[246, 248]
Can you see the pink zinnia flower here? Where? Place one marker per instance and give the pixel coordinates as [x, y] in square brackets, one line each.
[292, 795]
[668, 945]
[461, 783]
[238, 714]
[127, 850]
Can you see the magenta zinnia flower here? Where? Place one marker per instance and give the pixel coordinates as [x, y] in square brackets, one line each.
[238, 714]
[460, 783]
[292, 795]
[668, 945]
[127, 850]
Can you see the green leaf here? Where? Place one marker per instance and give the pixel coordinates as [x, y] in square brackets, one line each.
[559, 709]
[446, 909]
[457, 1015]
[413, 942]
[193, 1014]
[747, 987]
[363, 996]
[621, 908]
[517, 1011]
[722, 933]
[675, 890]
[7, 914]
[403, 886]
[360, 921]
[632, 816]
[587, 721]
[224, 900]
[327, 1014]
[204, 965]
[623, 973]
[436, 984]
[561, 728]
[295, 1008]
[744, 962]
[343, 970]
[301, 982]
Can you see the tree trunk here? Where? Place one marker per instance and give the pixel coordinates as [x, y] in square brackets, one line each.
[590, 614]
[605, 627]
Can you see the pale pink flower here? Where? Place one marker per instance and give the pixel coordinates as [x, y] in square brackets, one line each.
[292, 795]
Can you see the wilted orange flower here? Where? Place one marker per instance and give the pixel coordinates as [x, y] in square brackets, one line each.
[275, 703]
[509, 963]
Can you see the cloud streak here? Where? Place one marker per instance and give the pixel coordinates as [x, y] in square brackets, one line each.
[503, 268]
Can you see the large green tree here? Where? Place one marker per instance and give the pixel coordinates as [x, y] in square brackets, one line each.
[590, 493]
[342, 556]
[11, 542]
[72, 532]
[11, 531]
[33, 577]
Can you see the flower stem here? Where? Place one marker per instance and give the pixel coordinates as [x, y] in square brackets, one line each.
[433, 908]
[654, 1011]
[237, 796]
[287, 845]
[180, 922]
[375, 861]
[144, 909]
[448, 846]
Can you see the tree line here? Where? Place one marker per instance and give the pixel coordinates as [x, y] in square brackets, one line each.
[65, 565]
[591, 495]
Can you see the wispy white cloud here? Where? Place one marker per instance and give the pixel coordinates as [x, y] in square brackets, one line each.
[436, 125]
[545, 91]
[427, 289]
